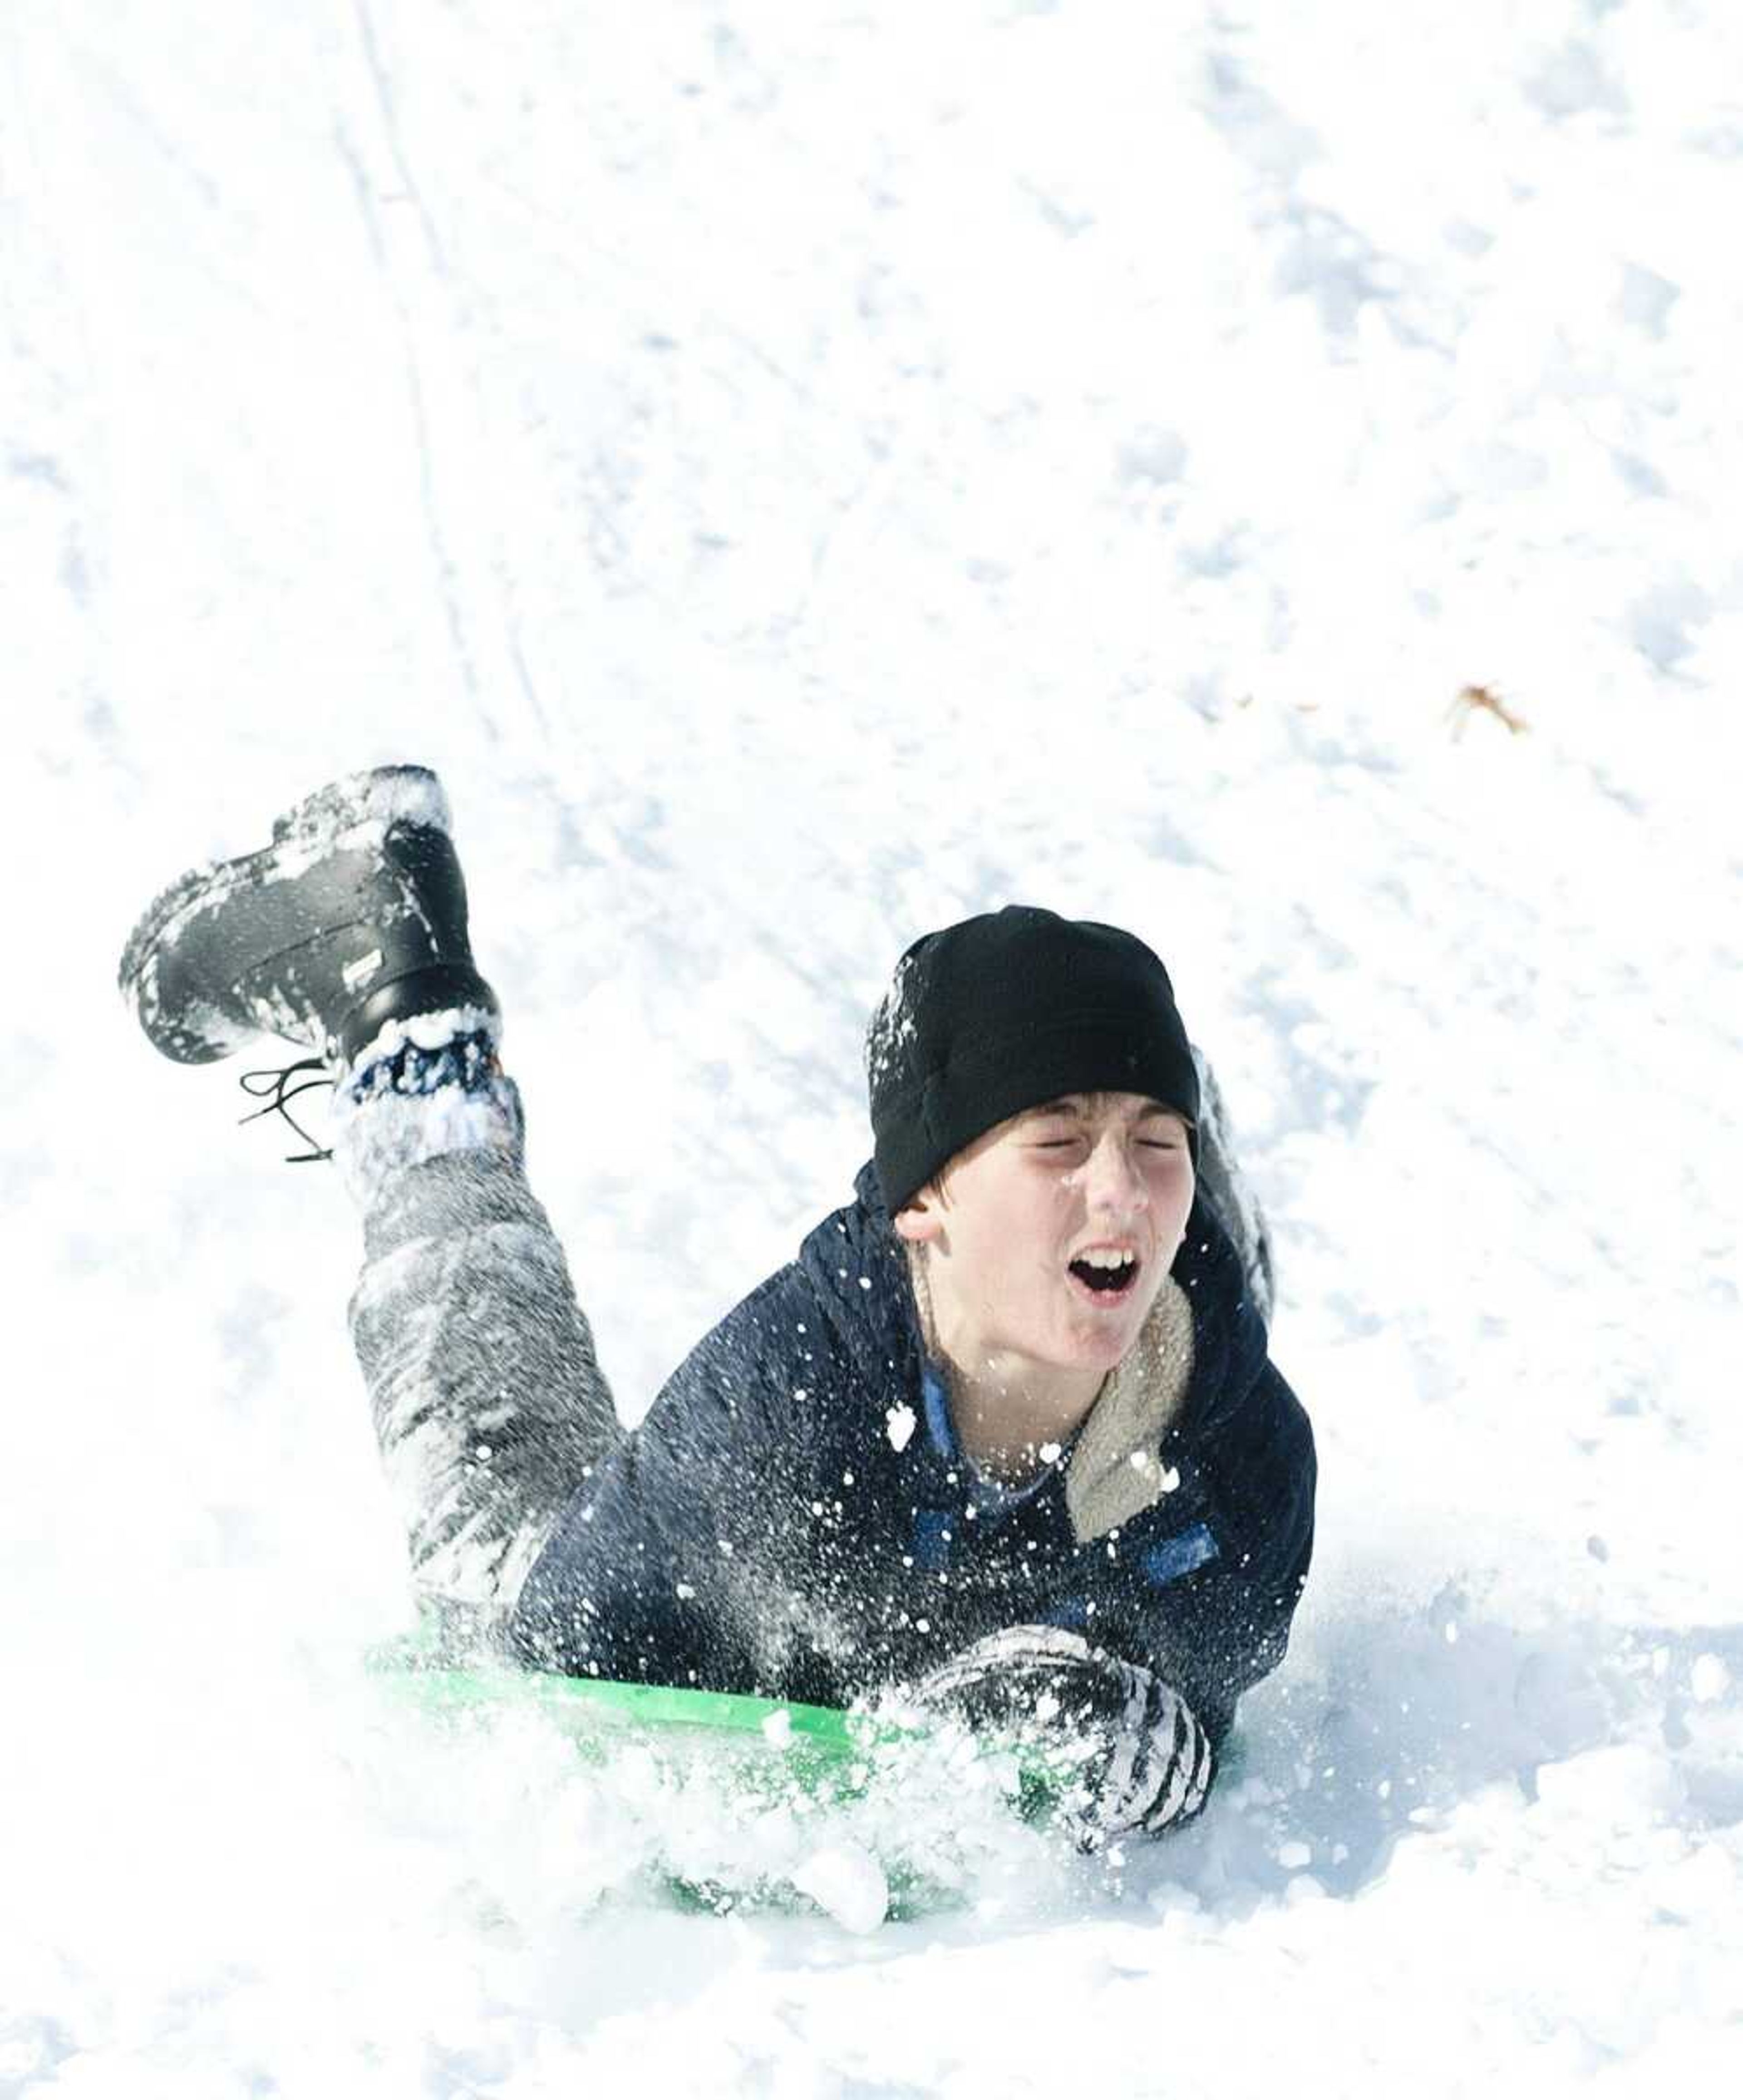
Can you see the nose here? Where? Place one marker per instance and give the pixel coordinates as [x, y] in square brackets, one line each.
[1113, 1187]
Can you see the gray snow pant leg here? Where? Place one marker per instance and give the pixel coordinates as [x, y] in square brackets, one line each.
[489, 1405]
[1225, 1189]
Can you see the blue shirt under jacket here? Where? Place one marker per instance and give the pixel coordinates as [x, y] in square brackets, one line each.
[794, 1517]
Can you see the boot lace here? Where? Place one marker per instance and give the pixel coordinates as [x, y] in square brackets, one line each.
[276, 1085]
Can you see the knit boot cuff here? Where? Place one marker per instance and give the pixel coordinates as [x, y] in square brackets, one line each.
[430, 1085]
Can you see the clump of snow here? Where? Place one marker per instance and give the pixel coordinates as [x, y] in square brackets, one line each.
[846, 1881]
[425, 1031]
[1615, 1784]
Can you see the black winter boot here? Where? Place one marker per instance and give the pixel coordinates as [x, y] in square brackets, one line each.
[354, 916]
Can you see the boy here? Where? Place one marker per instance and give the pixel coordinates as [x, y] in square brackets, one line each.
[1005, 1433]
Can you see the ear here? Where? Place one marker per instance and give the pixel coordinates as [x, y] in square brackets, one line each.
[920, 1219]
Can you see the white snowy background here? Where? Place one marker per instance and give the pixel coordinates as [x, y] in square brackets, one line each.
[802, 476]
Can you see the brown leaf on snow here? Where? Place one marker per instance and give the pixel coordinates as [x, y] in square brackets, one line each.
[1482, 699]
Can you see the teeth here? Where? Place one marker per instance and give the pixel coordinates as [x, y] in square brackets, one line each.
[1107, 1258]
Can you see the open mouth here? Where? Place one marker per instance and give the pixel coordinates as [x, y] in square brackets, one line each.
[1109, 1273]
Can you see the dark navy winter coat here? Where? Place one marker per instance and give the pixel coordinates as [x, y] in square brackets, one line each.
[793, 1517]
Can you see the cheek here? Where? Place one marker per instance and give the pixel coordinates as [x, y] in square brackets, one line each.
[1171, 1204]
[1018, 1246]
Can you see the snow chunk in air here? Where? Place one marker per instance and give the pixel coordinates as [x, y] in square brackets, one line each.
[846, 1881]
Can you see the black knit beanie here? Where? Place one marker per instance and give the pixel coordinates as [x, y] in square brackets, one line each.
[1005, 1012]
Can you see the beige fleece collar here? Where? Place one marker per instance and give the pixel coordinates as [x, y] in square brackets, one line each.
[1116, 1471]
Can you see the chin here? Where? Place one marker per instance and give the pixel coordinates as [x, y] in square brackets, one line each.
[1104, 1346]
[1102, 1353]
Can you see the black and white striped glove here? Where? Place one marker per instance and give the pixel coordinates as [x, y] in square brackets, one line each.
[1146, 1764]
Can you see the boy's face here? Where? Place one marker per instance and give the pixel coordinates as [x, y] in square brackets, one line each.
[1046, 1240]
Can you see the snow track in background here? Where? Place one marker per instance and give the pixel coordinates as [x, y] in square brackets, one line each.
[799, 481]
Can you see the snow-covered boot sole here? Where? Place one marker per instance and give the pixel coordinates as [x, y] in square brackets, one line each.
[354, 916]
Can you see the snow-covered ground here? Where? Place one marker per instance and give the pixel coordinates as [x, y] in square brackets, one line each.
[802, 476]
